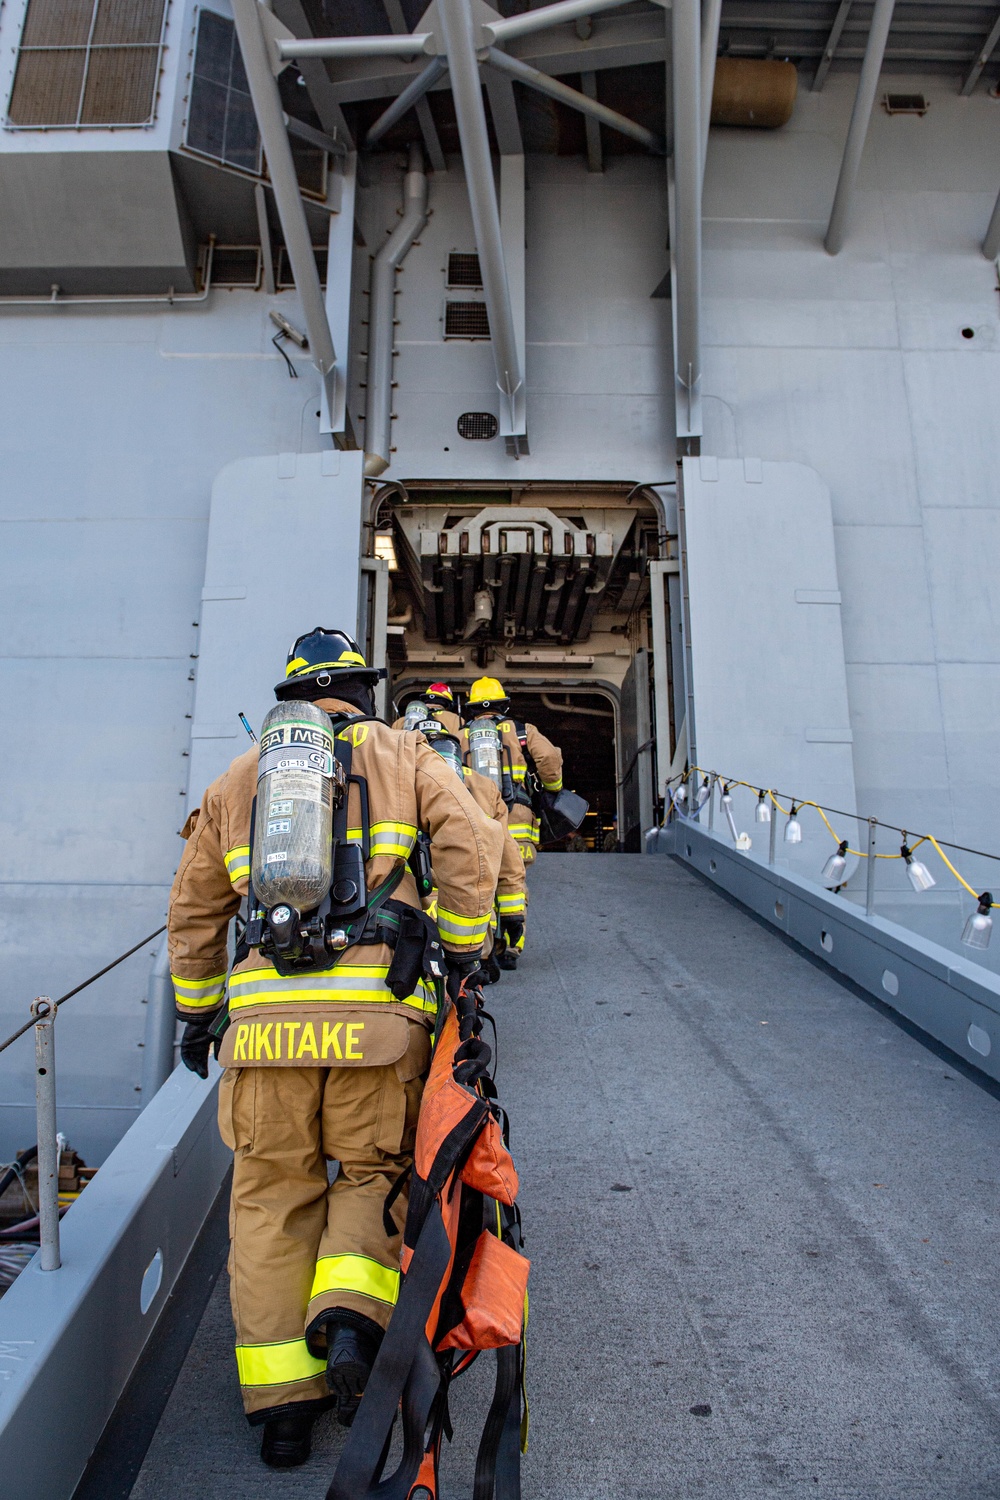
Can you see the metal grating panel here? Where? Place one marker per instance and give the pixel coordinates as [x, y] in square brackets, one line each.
[905, 104]
[221, 121]
[463, 269]
[285, 279]
[478, 426]
[466, 320]
[236, 265]
[87, 62]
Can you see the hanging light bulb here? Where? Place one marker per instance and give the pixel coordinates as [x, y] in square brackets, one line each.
[727, 808]
[979, 928]
[679, 797]
[762, 812]
[836, 865]
[702, 794]
[793, 828]
[919, 876]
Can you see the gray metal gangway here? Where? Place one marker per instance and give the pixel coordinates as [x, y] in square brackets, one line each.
[760, 1209]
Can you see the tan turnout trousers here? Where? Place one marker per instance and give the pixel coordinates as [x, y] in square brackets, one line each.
[299, 1246]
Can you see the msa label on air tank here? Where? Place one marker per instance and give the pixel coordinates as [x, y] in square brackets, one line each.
[296, 735]
[279, 825]
[298, 786]
[280, 809]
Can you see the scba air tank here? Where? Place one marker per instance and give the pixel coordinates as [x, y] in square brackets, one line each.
[292, 861]
[416, 713]
[485, 751]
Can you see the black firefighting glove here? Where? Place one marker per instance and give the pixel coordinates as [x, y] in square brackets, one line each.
[461, 968]
[196, 1043]
[512, 930]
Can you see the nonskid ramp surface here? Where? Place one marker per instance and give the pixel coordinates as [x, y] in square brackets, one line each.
[761, 1216]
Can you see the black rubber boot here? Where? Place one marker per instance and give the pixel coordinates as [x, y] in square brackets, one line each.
[287, 1440]
[351, 1351]
[508, 958]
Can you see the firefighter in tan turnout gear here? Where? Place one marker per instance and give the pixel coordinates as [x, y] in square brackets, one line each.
[436, 702]
[497, 746]
[330, 1004]
[507, 925]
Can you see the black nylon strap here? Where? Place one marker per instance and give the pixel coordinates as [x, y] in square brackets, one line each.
[496, 1467]
[406, 1370]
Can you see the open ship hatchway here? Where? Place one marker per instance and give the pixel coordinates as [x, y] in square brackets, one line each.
[546, 587]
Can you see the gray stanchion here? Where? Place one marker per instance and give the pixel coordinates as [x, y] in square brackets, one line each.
[48, 1147]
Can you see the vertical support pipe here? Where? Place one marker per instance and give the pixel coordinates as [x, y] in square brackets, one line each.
[864, 101]
[381, 316]
[773, 837]
[712, 778]
[686, 78]
[710, 19]
[298, 241]
[991, 244]
[44, 1013]
[870, 872]
[160, 1028]
[457, 28]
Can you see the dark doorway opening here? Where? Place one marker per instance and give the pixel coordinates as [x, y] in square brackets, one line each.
[583, 726]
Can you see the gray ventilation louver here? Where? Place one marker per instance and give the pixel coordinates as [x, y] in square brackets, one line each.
[466, 320]
[463, 269]
[236, 265]
[905, 104]
[478, 426]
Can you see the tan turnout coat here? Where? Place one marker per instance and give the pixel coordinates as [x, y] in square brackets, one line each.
[343, 1016]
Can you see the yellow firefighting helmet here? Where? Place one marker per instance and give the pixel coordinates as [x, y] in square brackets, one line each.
[323, 657]
[487, 694]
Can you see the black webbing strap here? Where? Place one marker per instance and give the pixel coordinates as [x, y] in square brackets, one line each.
[405, 1371]
[498, 1462]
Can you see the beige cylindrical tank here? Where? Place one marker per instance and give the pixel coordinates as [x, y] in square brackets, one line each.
[754, 92]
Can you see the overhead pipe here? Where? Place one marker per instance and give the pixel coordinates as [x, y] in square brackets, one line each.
[411, 95]
[457, 30]
[295, 49]
[546, 16]
[566, 708]
[535, 79]
[710, 20]
[271, 123]
[686, 78]
[381, 316]
[864, 102]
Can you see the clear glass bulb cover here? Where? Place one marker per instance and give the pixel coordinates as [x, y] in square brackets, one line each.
[978, 930]
[762, 813]
[919, 876]
[680, 796]
[702, 797]
[793, 831]
[833, 870]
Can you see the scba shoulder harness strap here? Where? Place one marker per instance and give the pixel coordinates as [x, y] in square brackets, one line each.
[464, 1289]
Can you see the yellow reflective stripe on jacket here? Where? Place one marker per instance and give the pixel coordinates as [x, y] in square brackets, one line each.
[521, 832]
[277, 1364]
[553, 786]
[199, 993]
[355, 835]
[356, 1273]
[462, 932]
[359, 984]
[518, 772]
[511, 905]
[393, 838]
[238, 862]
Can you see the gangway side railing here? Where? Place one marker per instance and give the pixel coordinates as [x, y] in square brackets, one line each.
[49, 1142]
[950, 996]
[679, 803]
